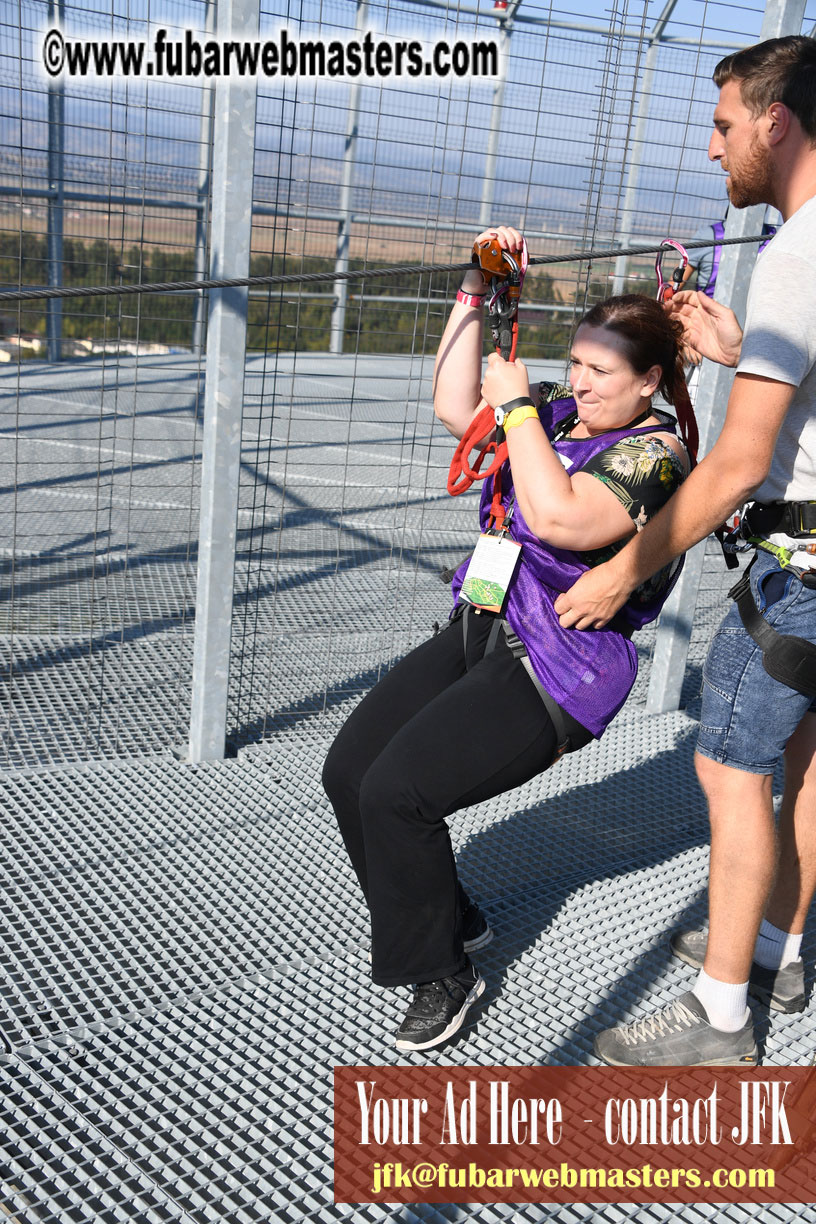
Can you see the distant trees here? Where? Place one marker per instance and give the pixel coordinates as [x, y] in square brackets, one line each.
[384, 315]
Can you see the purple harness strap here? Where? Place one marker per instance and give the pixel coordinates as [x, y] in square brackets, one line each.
[719, 233]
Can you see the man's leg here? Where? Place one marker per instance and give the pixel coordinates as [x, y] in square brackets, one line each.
[776, 971]
[795, 885]
[712, 1025]
[742, 866]
[741, 873]
[746, 722]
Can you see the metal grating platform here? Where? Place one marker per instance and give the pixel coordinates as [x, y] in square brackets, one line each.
[185, 959]
[184, 951]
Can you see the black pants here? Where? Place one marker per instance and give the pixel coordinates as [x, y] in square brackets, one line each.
[448, 726]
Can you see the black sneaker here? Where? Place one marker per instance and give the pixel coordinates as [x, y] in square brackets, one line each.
[438, 1009]
[475, 930]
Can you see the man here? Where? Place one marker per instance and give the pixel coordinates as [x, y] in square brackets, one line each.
[705, 261]
[765, 139]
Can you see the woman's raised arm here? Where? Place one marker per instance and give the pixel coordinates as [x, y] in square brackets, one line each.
[458, 368]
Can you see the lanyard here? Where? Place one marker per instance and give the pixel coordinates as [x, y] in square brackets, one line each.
[500, 523]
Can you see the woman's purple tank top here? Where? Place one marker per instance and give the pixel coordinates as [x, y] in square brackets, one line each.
[587, 672]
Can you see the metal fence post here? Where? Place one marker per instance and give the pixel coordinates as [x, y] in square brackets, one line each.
[342, 250]
[56, 201]
[638, 145]
[203, 193]
[674, 630]
[232, 182]
[505, 19]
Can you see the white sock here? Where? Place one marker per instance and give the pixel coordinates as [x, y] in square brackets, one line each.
[775, 948]
[726, 1004]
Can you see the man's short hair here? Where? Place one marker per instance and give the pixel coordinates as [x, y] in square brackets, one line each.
[778, 70]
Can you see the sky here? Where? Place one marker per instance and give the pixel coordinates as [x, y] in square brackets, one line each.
[566, 150]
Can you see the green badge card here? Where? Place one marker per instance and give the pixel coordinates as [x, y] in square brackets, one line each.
[491, 568]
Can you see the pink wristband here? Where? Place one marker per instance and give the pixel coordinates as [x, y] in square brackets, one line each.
[470, 299]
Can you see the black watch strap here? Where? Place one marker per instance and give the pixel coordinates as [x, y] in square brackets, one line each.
[502, 410]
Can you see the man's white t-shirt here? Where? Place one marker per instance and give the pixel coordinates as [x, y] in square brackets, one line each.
[780, 343]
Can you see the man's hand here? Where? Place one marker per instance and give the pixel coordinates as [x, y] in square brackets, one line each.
[593, 600]
[710, 328]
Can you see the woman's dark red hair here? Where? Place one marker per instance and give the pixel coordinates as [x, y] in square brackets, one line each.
[651, 338]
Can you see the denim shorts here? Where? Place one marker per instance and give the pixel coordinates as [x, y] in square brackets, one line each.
[747, 717]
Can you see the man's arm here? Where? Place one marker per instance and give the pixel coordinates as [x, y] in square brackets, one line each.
[738, 462]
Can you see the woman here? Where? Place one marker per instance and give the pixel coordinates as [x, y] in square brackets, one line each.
[495, 698]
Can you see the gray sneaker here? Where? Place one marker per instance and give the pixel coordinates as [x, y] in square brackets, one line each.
[678, 1035]
[783, 990]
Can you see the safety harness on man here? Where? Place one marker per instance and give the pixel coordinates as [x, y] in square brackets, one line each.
[789, 659]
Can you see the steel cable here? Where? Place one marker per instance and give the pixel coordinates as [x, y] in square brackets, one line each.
[296, 278]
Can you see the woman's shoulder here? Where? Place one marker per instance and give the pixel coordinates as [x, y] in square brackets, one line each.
[555, 403]
[642, 470]
[644, 457]
[548, 392]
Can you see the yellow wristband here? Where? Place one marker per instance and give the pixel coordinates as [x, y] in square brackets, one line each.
[525, 413]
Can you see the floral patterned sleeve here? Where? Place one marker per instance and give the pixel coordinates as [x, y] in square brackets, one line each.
[642, 472]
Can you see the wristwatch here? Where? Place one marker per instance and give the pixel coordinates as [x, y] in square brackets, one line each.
[503, 411]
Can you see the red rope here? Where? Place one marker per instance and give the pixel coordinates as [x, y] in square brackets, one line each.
[461, 475]
[687, 420]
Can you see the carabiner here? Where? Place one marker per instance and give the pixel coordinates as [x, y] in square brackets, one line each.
[504, 301]
[667, 289]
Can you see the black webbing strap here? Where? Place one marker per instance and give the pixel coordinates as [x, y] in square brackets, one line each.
[518, 650]
[552, 707]
[447, 575]
[493, 635]
[796, 519]
[789, 659]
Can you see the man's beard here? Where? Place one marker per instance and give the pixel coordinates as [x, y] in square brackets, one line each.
[753, 181]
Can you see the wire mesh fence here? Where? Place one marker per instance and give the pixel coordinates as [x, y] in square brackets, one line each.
[595, 136]
[98, 185]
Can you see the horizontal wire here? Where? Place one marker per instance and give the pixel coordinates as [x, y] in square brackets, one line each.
[28, 295]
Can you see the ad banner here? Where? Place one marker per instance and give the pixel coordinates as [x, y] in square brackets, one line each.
[575, 1134]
